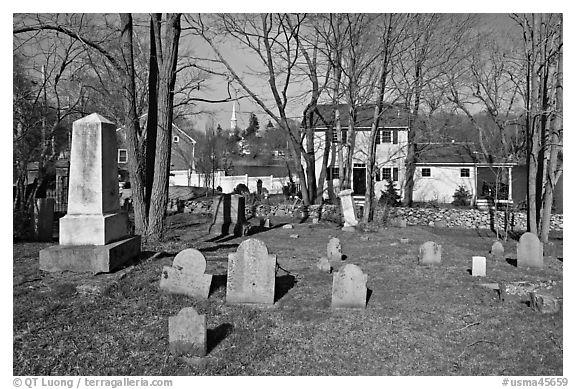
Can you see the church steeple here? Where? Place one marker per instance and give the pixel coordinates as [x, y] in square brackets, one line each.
[233, 120]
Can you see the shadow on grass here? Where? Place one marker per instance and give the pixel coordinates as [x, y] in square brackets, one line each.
[512, 261]
[216, 335]
[283, 285]
[218, 281]
[220, 246]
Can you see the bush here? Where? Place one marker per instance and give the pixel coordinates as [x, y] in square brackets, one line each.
[390, 197]
[462, 196]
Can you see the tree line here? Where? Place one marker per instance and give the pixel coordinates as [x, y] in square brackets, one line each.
[507, 82]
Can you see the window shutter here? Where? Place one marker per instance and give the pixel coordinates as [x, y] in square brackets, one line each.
[395, 137]
[395, 174]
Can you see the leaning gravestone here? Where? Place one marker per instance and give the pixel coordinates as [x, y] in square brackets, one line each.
[430, 253]
[497, 250]
[187, 333]
[349, 288]
[186, 275]
[94, 234]
[530, 251]
[479, 266]
[251, 274]
[334, 249]
[348, 208]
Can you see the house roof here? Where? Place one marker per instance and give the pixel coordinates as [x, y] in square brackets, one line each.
[174, 126]
[454, 153]
[394, 115]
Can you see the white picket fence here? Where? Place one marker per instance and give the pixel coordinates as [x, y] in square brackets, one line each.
[228, 183]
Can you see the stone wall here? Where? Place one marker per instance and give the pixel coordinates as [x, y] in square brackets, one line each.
[462, 217]
[454, 217]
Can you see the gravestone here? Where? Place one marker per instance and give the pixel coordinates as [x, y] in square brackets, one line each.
[94, 235]
[222, 219]
[334, 249]
[497, 250]
[237, 214]
[479, 266]
[530, 251]
[543, 302]
[324, 265]
[251, 274]
[430, 253]
[267, 223]
[186, 275]
[440, 224]
[43, 219]
[349, 288]
[187, 333]
[348, 208]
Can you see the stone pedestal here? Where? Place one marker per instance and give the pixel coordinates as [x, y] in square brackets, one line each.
[94, 234]
[348, 208]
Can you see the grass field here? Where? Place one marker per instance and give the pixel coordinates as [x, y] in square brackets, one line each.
[419, 320]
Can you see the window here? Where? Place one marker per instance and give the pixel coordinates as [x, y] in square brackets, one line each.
[386, 136]
[175, 139]
[389, 173]
[386, 173]
[335, 136]
[333, 173]
[426, 172]
[465, 172]
[122, 156]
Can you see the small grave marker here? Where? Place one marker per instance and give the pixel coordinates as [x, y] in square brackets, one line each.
[479, 266]
[430, 253]
[497, 250]
[187, 333]
[349, 288]
[186, 275]
[334, 249]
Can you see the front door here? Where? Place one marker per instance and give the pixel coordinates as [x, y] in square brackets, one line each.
[359, 179]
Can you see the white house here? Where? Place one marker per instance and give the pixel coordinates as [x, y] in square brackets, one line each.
[440, 167]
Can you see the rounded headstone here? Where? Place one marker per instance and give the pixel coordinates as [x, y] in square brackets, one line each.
[349, 288]
[190, 261]
[334, 249]
[497, 250]
[324, 265]
[530, 251]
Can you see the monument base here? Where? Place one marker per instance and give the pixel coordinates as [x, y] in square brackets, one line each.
[95, 258]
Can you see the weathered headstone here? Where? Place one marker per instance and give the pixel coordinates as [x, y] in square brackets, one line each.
[186, 275]
[545, 303]
[430, 253]
[334, 249]
[497, 250]
[294, 236]
[324, 265]
[404, 240]
[187, 333]
[43, 219]
[530, 251]
[348, 208]
[479, 266]
[221, 220]
[287, 226]
[251, 274]
[349, 288]
[94, 235]
[267, 223]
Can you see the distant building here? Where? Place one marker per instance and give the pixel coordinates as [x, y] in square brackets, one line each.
[440, 168]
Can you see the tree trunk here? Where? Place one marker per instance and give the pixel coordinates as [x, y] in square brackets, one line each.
[152, 118]
[551, 176]
[166, 81]
[135, 166]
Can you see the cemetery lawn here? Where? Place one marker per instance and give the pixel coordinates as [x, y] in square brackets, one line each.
[419, 320]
